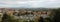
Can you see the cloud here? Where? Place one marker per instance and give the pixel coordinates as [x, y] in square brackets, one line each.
[30, 3]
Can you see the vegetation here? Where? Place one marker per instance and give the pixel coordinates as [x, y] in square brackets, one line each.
[54, 16]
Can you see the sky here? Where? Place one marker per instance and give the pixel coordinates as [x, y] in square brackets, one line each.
[30, 3]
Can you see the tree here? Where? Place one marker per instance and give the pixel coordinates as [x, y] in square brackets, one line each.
[57, 15]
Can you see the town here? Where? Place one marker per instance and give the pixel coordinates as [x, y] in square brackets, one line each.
[26, 15]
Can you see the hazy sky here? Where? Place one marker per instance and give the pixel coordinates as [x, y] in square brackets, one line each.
[30, 3]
